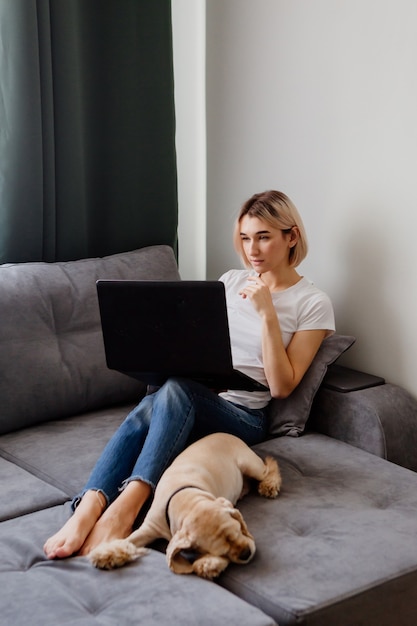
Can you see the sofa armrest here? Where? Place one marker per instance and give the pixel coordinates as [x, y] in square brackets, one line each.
[380, 419]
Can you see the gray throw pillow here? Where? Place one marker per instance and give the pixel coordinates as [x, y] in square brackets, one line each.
[289, 415]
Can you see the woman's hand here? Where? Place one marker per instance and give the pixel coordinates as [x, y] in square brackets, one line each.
[259, 294]
[284, 368]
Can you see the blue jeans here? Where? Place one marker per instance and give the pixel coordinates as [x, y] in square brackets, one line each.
[160, 427]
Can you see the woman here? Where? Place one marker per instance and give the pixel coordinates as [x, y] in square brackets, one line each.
[277, 322]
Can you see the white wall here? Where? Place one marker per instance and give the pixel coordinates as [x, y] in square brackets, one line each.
[319, 99]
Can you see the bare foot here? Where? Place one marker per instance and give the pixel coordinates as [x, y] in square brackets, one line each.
[117, 521]
[111, 525]
[69, 539]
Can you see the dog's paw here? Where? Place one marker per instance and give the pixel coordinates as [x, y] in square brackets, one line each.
[270, 486]
[115, 554]
[210, 567]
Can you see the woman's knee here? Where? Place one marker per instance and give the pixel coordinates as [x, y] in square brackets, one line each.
[174, 390]
[141, 415]
[174, 402]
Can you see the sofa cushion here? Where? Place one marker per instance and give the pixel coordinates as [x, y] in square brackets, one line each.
[337, 545]
[52, 359]
[39, 592]
[63, 452]
[289, 415]
[22, 492]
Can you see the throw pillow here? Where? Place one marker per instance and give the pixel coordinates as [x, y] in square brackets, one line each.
[289, 415]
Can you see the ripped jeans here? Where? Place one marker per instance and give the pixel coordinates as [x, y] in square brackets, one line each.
[160, 427]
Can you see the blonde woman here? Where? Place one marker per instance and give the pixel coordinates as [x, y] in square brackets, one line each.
[277, 321]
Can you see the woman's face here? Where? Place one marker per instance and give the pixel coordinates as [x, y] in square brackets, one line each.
[266, 248]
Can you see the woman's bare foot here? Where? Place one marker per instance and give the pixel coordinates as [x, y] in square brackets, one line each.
[117, 521]
[69, 539]
[111, 525]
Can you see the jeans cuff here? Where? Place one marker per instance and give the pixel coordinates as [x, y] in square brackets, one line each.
[143, 480]
[77, 499]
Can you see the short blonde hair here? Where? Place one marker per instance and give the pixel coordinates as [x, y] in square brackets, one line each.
[277, 210]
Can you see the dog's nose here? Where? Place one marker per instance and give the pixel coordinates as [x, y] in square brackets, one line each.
[245, 555]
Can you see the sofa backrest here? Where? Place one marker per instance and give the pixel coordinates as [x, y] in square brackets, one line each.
[52, 361]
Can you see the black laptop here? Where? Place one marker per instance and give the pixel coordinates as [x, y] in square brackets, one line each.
[153, 330]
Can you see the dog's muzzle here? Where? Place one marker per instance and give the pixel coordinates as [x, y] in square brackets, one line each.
[245, 555]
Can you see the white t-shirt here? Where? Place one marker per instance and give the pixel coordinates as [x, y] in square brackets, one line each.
[300, 307]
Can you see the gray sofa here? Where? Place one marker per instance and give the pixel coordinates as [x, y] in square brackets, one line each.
[337, 547]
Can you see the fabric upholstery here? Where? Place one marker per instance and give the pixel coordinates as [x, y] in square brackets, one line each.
[22, 492]
[52, 359]
[39, 592]
[364, 418]
[288, 416]
[336, 546]
[334, 549]
[63, 452]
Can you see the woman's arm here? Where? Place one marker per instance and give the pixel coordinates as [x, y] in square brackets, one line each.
[284, 368]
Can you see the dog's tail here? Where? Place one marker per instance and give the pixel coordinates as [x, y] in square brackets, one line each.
[115, 554]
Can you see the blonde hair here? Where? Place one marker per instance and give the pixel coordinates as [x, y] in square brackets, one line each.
[277, 210]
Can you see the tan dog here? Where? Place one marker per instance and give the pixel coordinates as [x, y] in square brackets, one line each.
[193, 508]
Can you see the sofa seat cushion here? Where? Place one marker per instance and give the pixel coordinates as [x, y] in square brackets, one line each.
[39, 592]
[63, 452]
[51, 347]
[344, 533]
[23, 493]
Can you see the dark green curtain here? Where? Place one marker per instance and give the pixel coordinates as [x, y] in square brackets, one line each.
[87, 129]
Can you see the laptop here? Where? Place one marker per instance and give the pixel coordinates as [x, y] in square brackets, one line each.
[153, 330]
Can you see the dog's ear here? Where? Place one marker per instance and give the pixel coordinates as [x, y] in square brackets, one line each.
[236, 514]
[225, 503]
[178, 563]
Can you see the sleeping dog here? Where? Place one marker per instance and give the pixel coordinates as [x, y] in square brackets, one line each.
[193, 508]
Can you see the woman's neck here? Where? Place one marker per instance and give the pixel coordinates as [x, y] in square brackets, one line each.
[281, 281]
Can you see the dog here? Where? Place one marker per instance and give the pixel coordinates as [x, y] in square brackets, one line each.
[193, 508]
